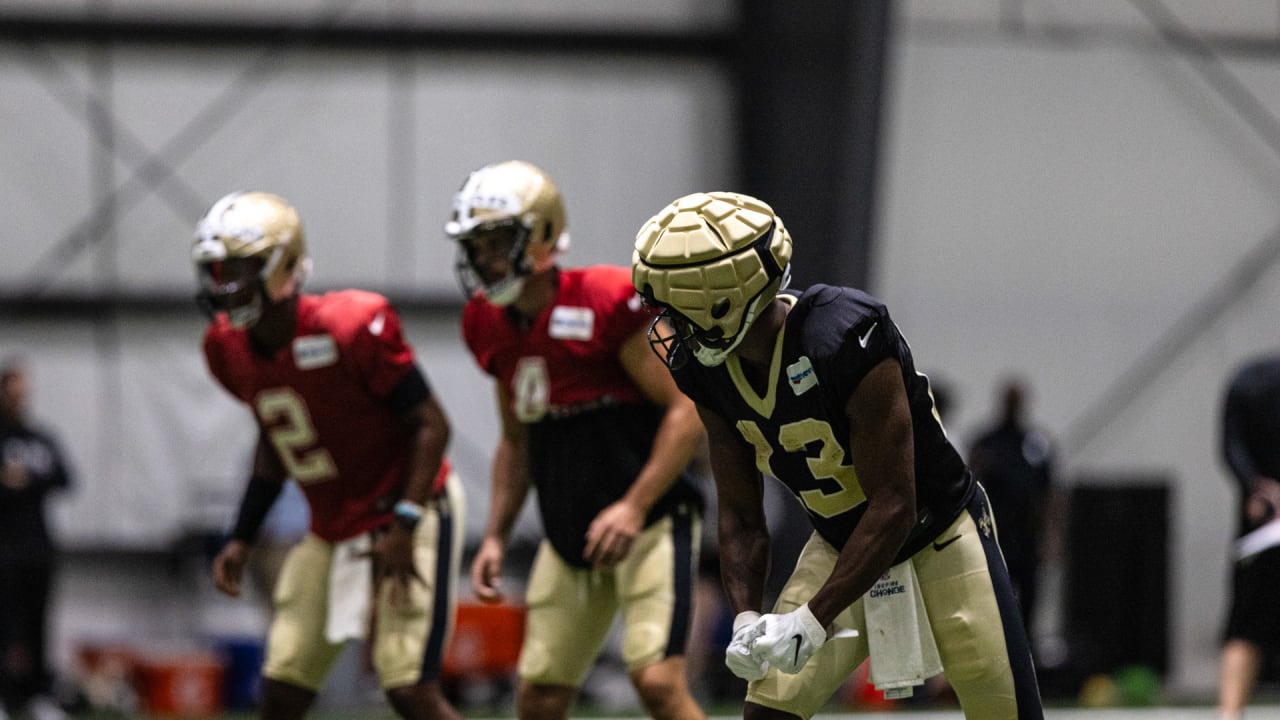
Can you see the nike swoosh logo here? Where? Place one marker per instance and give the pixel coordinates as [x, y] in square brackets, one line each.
[940, 545]
[866, 337]
[798, 639]
[375, 325]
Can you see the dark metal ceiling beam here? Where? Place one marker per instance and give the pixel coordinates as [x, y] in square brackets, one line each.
[365, 35]
[89, 306]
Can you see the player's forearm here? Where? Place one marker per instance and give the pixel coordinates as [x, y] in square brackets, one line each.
[1235, 449]
[266, 480]
[1236, 454]
[259, 495]
[509, 490]
[1243, 469]
[673, 447]
[744, 560]
[426, 455]
[867, 554]
[882, 447]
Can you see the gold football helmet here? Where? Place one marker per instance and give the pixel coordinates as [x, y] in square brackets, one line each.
[710, 262]
[248, 247]
[514, 208]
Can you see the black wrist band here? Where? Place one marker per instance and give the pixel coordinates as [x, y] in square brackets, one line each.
[259, 495]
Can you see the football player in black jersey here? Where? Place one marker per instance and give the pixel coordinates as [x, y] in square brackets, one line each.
[820, 391]
[1251, 449]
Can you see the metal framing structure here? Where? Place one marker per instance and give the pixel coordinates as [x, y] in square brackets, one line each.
[822, 187]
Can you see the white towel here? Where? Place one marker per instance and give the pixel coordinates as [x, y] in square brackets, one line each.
[350, 590]
[1259, 539]
[899, 637]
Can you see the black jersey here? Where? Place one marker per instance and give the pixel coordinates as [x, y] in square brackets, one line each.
[583, 463]
[799, 431]
[24, 533]
[1251, 427]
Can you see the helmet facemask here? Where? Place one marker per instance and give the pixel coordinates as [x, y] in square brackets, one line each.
[510, 201]
[479, 244]
[681, 337]
[232, 286]
[669, 338]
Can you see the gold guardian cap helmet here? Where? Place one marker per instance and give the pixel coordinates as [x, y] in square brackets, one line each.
[515, 198]
[248, 247]
[710, 262]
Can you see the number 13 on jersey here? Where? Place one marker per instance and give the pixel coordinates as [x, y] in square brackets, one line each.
[826, 461]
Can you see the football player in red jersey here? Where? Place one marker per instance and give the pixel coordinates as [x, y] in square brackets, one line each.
[820, 391]
[592, 421]
[344, 410]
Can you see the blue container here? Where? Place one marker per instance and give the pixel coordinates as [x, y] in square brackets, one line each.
[242, 684]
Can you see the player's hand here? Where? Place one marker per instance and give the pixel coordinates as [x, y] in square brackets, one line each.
[789, 640]
[1264, 501]
[14, 475]
[486, 568]
[739, 657]
[611, 534]
[392, 554]
[228, 566]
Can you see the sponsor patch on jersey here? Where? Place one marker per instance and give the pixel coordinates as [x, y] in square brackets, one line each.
[572, 323]
[800, 375]
[378, 322]
[314, 351]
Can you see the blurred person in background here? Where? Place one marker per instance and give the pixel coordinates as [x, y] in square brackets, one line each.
[1013, 460]
[593, 421]
[342, 408]
[1251, 450]
[820, 392]
[31, 467]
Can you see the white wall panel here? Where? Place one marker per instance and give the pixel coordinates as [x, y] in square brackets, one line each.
[621, 137]
[44, 183]
[1056, 210]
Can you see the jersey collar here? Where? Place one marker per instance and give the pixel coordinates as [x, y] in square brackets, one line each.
[762, 405]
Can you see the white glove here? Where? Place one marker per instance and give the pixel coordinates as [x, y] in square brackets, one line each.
[789, 640]
[738, 657]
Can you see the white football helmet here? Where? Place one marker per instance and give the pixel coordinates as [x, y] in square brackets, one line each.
[249, 248]
[513, 202]
[710, 262]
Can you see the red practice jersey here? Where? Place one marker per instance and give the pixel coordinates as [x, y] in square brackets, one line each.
[321, 401]
[566, 360]
[590, 427]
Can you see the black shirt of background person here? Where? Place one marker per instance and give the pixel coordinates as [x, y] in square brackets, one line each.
[1251, 429]
[24, 532]
[1014, 464]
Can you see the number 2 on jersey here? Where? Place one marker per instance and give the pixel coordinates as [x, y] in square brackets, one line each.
[284, 414]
